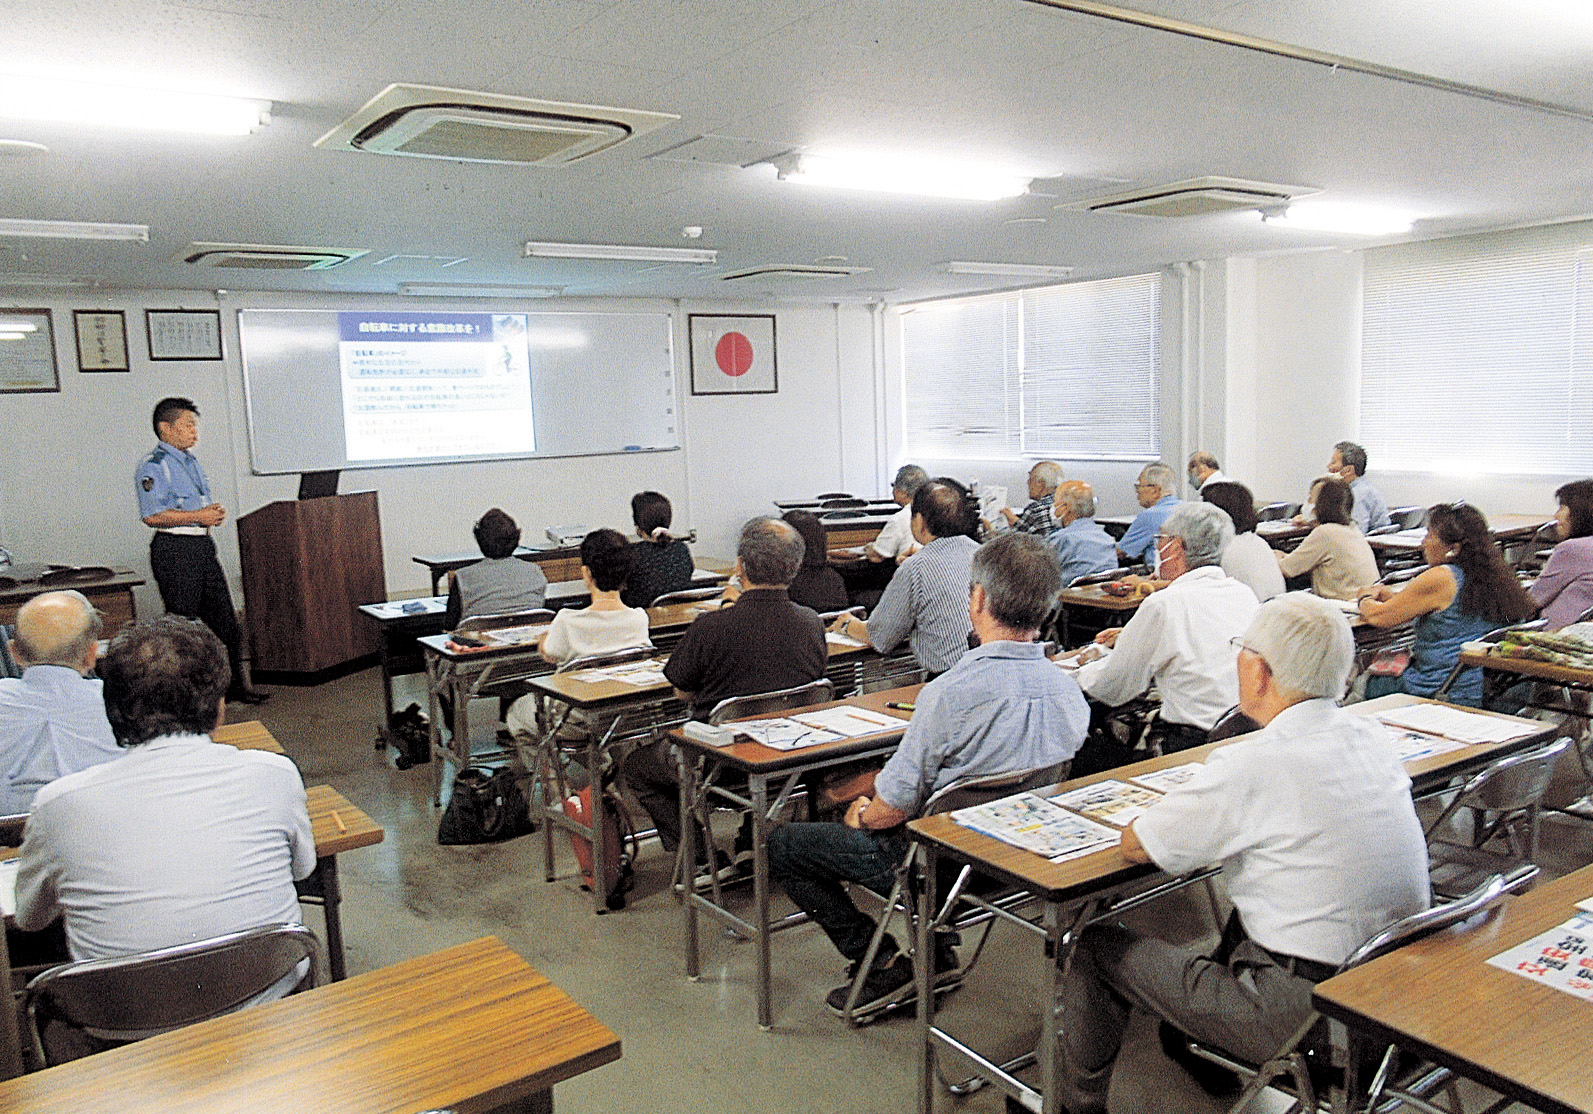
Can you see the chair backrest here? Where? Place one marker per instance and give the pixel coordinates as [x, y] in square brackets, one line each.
[841, 503]
[11, 829]
[1515, 782]
[1498, 634]
[172, 987]
[1408, 518]
[613, 657]
[838, 515]
[502, 619]
[1439, 917]
[1095, 578]
[1231, 723]
[966, 792]
[1273, 512]
[1391, 528]
[824, 495]
[763, 703]
[830, 616]
[688, 595]
[8, 663]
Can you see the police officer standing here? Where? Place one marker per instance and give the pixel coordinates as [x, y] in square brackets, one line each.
[174, 498]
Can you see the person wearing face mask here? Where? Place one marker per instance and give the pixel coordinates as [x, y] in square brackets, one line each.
[1180, 639]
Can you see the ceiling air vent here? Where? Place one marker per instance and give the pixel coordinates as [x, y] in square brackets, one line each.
[1195, 197]
[427, 122]
[796, 271]
[269, 257]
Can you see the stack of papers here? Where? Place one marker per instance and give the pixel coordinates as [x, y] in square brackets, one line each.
[835, 639]
[513, 636]
[1456, 723]
[642, 674]
[1561, 957]
[1035, 824]
[1110, 801]
[1165, 780]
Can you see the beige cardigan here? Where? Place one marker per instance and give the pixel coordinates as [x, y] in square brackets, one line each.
[1338, 558]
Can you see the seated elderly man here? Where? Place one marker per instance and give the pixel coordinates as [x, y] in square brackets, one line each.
[498, 582]
[761, 643]
[1349, 463]
[1002, 707]
[1081, 545]
[927, 600]
[1180, 639]
[52, 718]
[1203, 470]
[180, 838]
[1157, 494]
[895, 541]
[1037, 517]
[1294, 814]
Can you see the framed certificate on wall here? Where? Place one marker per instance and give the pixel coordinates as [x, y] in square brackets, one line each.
[101, 339]
[183, 334]
[27, 352]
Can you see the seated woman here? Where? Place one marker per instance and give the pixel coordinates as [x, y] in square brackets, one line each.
[1564, 590]
[1248, 558]
[817, 585]
[498, 582]
[663, 563]
[1466, 591]
[1335, 553]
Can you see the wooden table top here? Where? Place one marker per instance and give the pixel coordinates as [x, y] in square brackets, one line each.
[465, 1029]
[1526, 667]
[1503, 527]
[756, 757]
[1092, 595]
[1439, 997]
[1104, 868]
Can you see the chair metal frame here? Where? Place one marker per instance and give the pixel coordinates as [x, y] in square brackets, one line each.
[1414, 1085]
[688, 595]
[168, 988]
[905, 889]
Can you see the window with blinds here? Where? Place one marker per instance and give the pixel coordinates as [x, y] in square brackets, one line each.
[1066, 371]
[1477, 353]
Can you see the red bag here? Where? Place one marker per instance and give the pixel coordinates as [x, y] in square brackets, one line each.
[619, 844]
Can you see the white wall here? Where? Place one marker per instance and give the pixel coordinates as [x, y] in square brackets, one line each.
[66, 491]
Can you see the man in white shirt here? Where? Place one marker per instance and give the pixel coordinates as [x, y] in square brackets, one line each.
[1294, 814]
[52, 718]
[895, 541]
[1180, 639]
[180, 839]
[1203, 470]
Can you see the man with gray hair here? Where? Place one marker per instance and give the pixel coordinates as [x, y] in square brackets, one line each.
[1037, 517]
[1081, 545]
[1203, 470]
[895, 541]
[52, 718]
[1180, 638]
[761, 643]
[1156, 491]
[1297, 873]
[1349, 464]
[1002, 707]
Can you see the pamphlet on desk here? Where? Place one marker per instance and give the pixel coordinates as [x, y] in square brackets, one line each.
[1561, 957]
[1454, 723]
[808, 729]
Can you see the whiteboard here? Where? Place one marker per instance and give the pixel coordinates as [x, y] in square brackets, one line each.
[600, 383]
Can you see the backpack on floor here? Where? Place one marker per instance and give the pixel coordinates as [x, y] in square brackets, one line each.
[619, 844]
[487, 806]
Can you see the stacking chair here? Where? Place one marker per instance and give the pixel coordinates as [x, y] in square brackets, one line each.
[1505, 799]
[825, 496]
[1408, 518]
[843, 513]
[1300, 1060]
[1274, 512]
[1230, 724]
[733, 796]
[842, 503]
[134, 996]
[689, 595]
[908, 886]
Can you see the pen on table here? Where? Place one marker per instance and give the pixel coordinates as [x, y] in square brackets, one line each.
[900, 707]
[338, 820]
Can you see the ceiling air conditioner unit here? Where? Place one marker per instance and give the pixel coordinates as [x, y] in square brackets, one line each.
[1194, 197]
[268, 257]
[428, 122]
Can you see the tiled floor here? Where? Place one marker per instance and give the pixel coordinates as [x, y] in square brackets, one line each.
[687, 1046]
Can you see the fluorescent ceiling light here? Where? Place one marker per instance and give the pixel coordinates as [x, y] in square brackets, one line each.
[117, 106]
[621, 251]
[74, 230]
[477, 290]
[1330, 216]
[7, 335]
[17, 326]
[1006, 270]
[892, 176]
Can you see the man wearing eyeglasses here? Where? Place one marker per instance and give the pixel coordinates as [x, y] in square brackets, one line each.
[1294, 814]
[1156, 492]
[1179, 639]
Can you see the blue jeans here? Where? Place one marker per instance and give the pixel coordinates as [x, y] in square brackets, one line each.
[813, 861]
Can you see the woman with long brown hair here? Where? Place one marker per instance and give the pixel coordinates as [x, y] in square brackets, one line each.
[1466, 591]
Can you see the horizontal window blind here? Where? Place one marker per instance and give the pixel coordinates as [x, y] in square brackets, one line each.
[1477, 353]
[1069, 371]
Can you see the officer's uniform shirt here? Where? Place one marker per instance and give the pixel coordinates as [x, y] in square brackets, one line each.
[170, 479]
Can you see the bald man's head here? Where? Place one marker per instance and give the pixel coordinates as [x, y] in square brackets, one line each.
[58, 628]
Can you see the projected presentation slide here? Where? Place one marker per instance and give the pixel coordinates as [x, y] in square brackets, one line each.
[426, 385]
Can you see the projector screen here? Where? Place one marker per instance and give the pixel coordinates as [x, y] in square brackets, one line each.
[370, 389]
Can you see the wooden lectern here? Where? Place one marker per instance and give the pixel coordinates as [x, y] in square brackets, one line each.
[307, 566]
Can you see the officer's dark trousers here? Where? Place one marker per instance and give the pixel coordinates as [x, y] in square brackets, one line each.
[192, 585]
